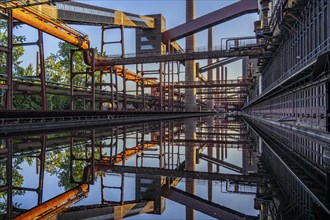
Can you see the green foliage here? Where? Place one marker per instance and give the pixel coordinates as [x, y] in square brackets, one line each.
[56, 102]
[18, 51]
[57, 68]
[58, 65]
[58, 164]
[17, 179]
[27, 102]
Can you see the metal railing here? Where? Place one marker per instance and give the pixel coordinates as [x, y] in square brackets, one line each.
[227, 45]
[306, 61]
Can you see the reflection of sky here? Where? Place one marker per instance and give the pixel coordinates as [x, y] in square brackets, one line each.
[50, 190]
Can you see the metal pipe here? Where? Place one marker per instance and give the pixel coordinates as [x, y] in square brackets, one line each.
[49, 29]
[50, 204]
[210, 102]
[9, 177]
[72, 105]
[123, 67]
[9, 92]
[42, 70]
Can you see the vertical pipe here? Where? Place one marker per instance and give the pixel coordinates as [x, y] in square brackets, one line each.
[42, 167]
[137, 85]
[72, 106]
[143, 97]
[190, 160]
[210, 102]
[161, 135]
[210, 122]
[71, 157]
[142, 88]
[42, 70]
[190, 72]
[9, 175]
[142, 141]
[124, 144]
[111, 145]
[217, 89]
[169, 86]
[172, 85]
[102, 189]
[244, 68]
[122, 42]
[164, 86]
[92, 159]
[117, 95]
[111, 88]
[9, 93]
[160, 86]
[122, 187]
[100, 87]
[102, 40]
[86, 86]
[327, 24]
[93, 80]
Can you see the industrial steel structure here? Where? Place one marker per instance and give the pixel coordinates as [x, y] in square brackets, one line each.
[283, 94]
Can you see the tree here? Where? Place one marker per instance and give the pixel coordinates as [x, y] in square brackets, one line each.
[18, 51]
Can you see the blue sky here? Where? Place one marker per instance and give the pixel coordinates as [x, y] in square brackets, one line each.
[173, 11]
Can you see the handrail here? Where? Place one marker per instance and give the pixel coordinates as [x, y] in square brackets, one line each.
[303, 63]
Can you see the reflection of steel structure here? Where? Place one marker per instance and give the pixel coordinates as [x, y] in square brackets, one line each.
[43, 209]
[101, 153]
[301, 170]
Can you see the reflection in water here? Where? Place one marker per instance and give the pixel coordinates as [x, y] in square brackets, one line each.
[208, 167]
[300, 165]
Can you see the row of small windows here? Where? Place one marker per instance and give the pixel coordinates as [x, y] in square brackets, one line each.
[305, 147]
[311, 97]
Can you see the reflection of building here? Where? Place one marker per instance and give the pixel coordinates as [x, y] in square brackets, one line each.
[299, 166]
[150, 189]
[157, 154]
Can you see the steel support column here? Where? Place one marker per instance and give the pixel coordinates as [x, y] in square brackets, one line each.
[72, 102]
[92, 74]
[9, 68]
[9, 175]
[190, 160]
[41, 157]
[210, 102]
[42, 73]
[122, 42]
[161, 104]
[190, 71]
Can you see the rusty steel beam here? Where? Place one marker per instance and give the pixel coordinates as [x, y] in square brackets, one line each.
[213, 91]
[180, 173]
[9, 63]
[221, 133]
[48, 26]
[205, 206]
[7, 3]
[209, 20]
[51, 204]
[205, 141]
[189, 55]
[218, 64]
[108, 211]
[222, 163]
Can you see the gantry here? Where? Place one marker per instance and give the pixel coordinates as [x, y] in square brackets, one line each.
[53, 17]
